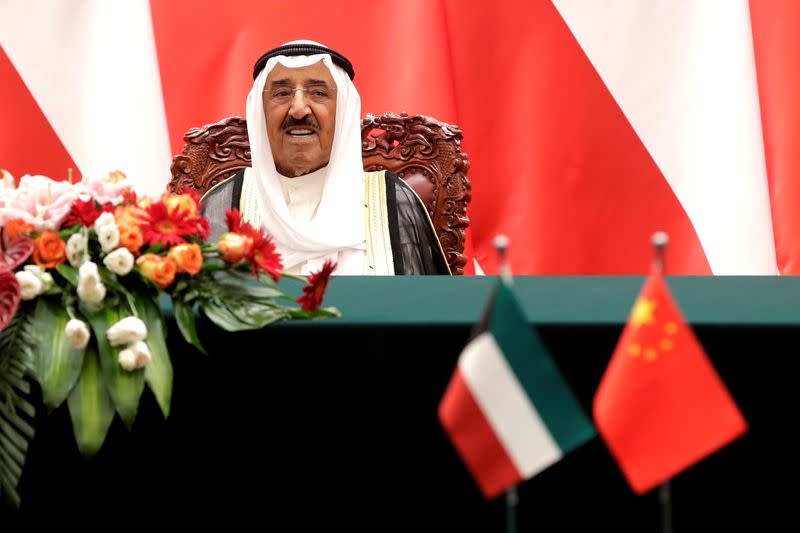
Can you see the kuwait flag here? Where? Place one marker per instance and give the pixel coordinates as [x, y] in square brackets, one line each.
[507, 409]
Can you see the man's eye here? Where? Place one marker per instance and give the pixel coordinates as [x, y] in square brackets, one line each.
[280, 94]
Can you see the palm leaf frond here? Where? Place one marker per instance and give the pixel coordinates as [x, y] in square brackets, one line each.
[16, 412]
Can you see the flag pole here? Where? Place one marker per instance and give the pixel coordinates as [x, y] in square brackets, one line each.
[501, 246]
[512, 497]
[660, 241]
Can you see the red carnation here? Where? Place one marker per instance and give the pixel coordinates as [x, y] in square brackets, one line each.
[82, 214]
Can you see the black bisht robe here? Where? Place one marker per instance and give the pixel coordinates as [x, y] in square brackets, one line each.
[415, 247]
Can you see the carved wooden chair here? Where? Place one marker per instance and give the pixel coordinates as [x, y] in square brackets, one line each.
[421, 150]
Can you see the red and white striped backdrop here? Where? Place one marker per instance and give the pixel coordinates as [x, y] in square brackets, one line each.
[589, 125]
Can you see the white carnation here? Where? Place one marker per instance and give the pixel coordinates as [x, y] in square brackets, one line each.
[126, 331]
[78, 333]
[92, 293]
[30, 286]
[106, 219]
[76, 248]
[120, 261]
[127, 359]
[108, 237]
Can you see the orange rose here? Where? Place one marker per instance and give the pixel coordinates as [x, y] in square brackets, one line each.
[181, 203]
[129, 215]
[159, 269]
[188, 257]
[130, 237]
[116, 176]
[49, 250]
[17, 227]
[235, 246]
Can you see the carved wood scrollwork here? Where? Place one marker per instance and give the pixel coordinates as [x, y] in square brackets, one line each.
[421, 150]
[211, 155]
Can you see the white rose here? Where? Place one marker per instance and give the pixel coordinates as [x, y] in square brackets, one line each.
[106, 219]
[42, 275]
[78, 333]
[127, 330]
[30, 286]
[120, 261]
[92, 293]
[75, 259]
[88, 275]
[47, 281]
[76, 247]
[34, 269]
[108, 237]
[127, 359]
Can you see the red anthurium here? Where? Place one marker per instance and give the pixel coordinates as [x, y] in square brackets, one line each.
[317, 284]
[14, 252]
[9, 297]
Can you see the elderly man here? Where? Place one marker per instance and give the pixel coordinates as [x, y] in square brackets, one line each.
[307, 187]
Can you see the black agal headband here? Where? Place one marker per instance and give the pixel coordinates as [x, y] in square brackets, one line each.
[304, 49]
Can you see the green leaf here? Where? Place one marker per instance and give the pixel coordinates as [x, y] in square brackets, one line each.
[325, 312]
[90, 407]
[154, 249]
[213, 264]
[69, 273]
[242, 315]
[16, 412]
[125, 387]
[243, 285]
[184, 315]
[57, 364]
[158, 373]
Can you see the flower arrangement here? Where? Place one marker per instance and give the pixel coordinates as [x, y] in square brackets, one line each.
[84, 268]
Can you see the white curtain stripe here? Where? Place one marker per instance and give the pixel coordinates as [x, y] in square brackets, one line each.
[92, 67]
[683, 73]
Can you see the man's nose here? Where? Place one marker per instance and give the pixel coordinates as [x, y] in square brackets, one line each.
[299, 108]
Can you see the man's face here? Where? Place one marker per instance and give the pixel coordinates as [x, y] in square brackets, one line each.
[300, 123]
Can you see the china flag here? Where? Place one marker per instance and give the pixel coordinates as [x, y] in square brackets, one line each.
[661, 406]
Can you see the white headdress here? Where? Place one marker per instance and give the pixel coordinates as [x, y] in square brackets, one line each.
[339, 220]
